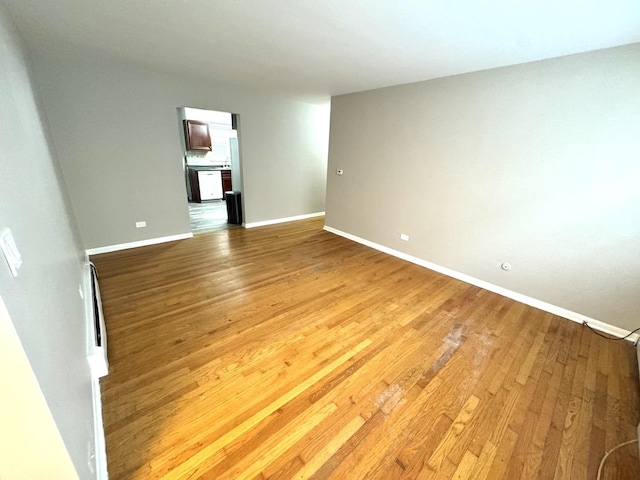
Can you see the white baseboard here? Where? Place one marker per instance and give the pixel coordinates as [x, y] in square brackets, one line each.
[141, 243]
[547, 307]
[100, 447]
[282, 220]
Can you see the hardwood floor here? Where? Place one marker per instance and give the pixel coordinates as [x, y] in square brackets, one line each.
[288, 352]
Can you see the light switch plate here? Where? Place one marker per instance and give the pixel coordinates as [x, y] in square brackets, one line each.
[10, 251]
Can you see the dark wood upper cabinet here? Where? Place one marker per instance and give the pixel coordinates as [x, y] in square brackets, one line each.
[196, 136]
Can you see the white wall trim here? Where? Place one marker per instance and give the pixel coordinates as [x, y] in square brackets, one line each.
[98, 364]
[547, 307]
[98, 427]
[282, 220]
[141, 243]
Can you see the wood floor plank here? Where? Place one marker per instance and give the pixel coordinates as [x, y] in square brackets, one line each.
[465, 467]
[437, 458]
[288, 352]
[535, 452]
[330, 448]
[202, 460]
[503, 454]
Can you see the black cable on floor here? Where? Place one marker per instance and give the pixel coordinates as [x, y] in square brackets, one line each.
[608, 337]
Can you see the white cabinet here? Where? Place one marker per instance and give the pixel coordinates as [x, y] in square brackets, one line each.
[210, 185]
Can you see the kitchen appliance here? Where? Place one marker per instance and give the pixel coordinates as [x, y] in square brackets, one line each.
[205, 184]
[210, 183]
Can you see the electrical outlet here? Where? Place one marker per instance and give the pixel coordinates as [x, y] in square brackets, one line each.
[141, 224]
[404, 236]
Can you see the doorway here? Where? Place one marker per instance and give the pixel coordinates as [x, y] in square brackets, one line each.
[212, 168]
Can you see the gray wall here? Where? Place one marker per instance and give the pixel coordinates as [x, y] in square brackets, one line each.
[115, 129]
[536, 164]
[43, 300]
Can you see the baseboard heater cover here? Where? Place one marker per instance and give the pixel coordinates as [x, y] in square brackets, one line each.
[97, 332]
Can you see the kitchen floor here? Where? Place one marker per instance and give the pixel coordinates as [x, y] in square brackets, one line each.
[208, 216]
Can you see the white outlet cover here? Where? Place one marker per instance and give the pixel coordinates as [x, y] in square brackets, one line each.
[10, 251]
[404, 236]
[141, 224]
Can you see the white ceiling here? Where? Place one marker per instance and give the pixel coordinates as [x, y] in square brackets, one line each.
[326, 47]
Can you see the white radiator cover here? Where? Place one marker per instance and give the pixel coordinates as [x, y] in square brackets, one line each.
[96, 351]
[98, 362]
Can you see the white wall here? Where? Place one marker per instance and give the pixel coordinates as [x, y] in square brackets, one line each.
[43, 300]
[537, 165]
[114, 127]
